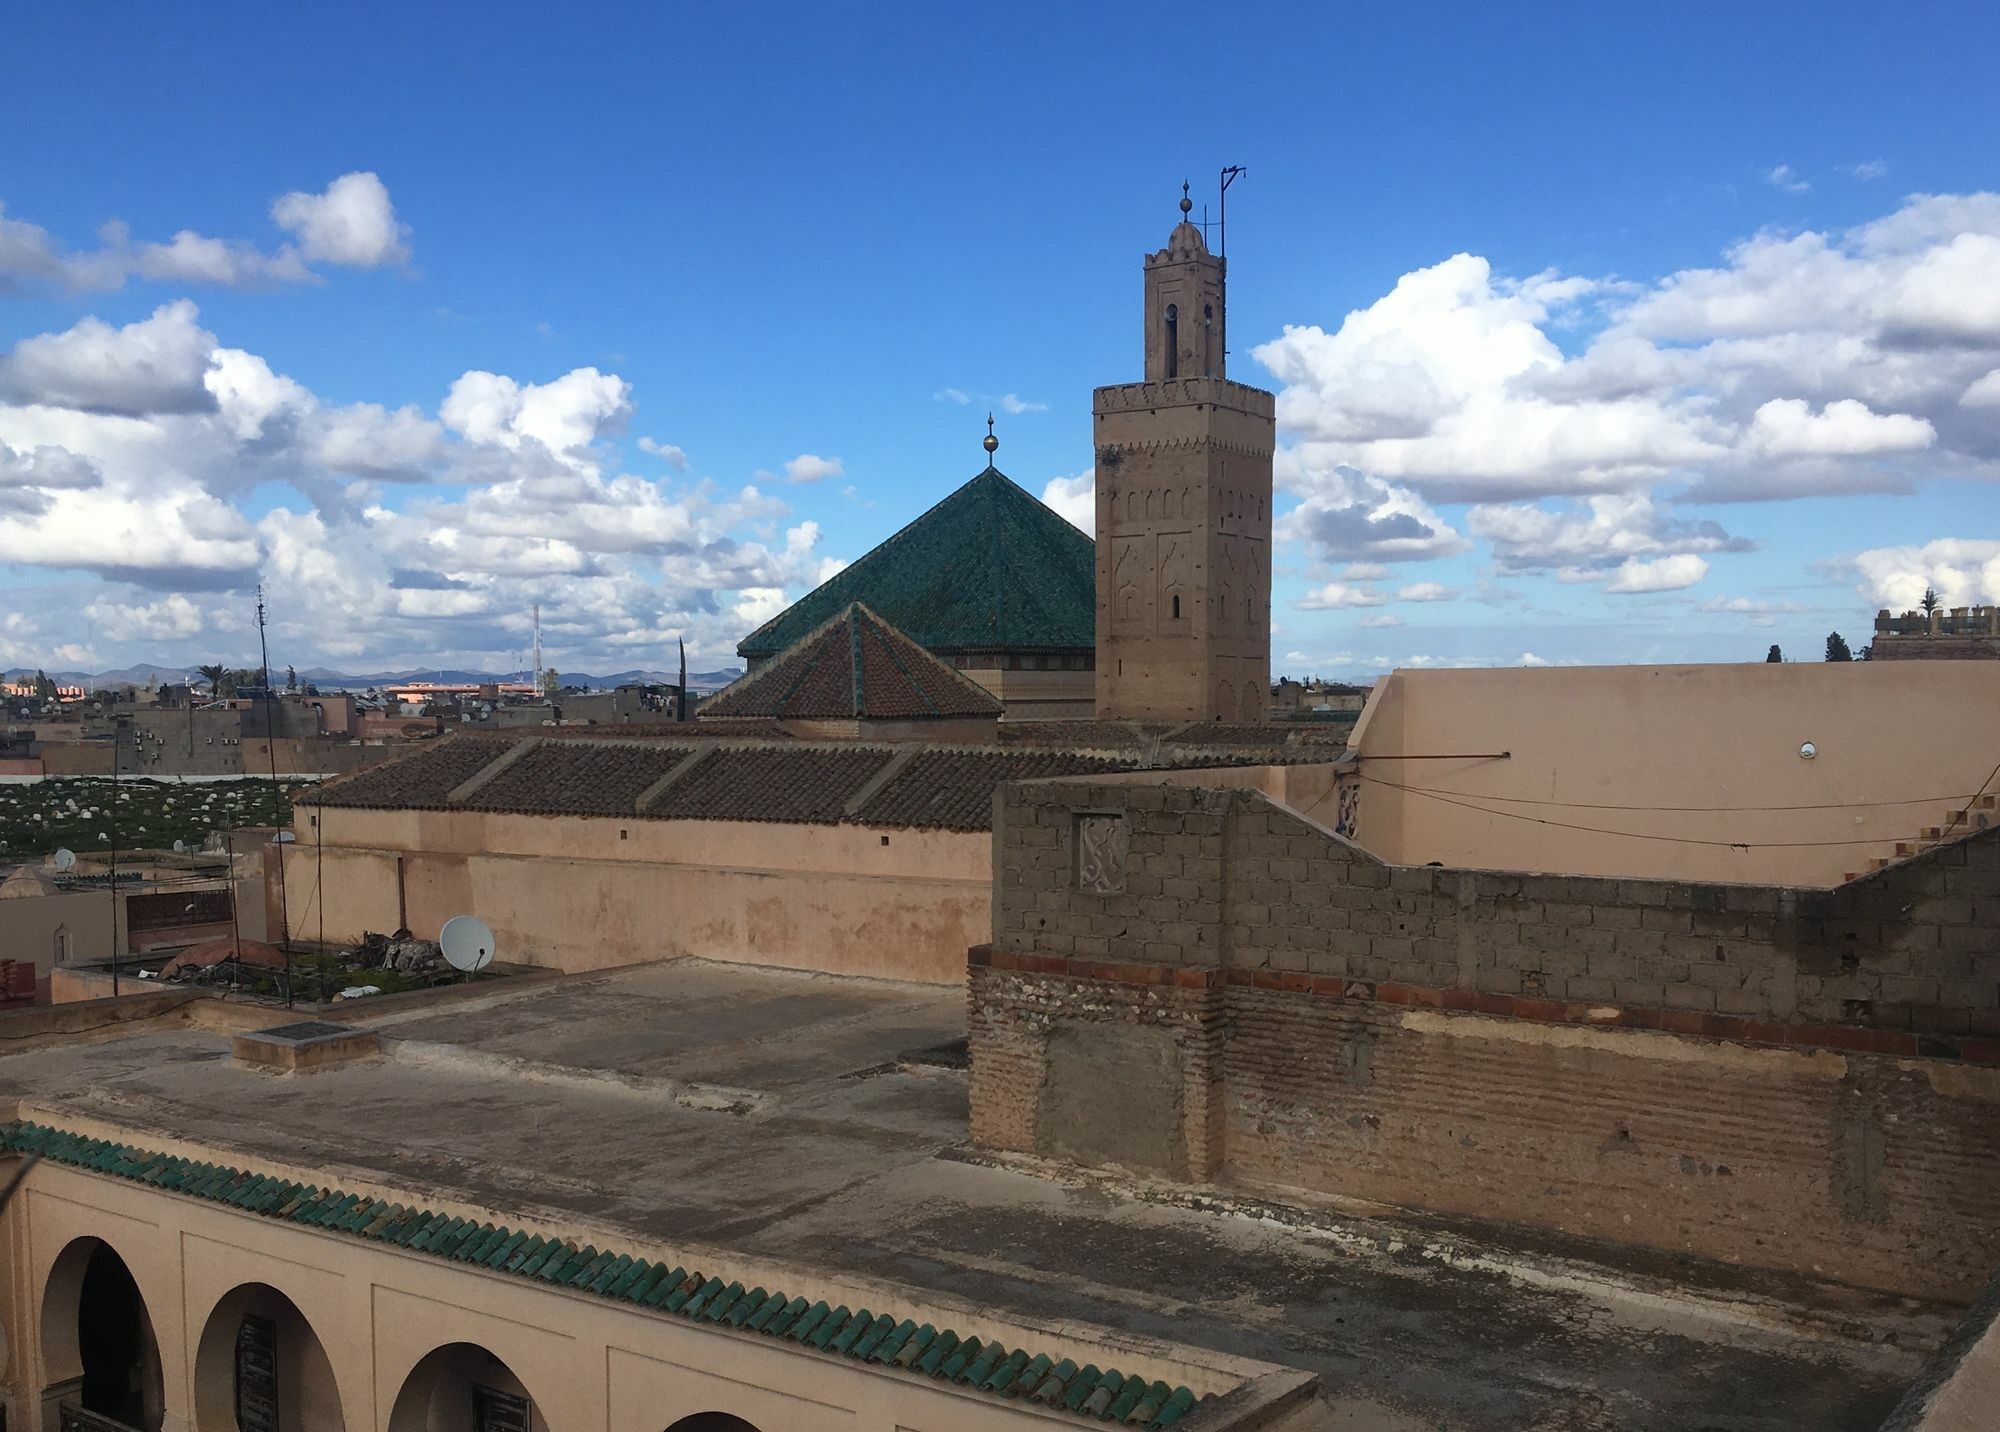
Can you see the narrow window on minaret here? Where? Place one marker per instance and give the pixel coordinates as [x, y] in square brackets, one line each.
[1173, 340]
[1208, 340]
[1177, 607]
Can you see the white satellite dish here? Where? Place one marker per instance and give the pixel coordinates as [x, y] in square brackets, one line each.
[285, 837]
[180, 847]
[65, 859]
[467, 943]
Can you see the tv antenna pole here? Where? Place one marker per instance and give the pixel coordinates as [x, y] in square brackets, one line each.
[278, 835]
[535, 672]
[1229, 176]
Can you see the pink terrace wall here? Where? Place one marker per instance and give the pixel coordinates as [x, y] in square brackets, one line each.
[1799, 1080]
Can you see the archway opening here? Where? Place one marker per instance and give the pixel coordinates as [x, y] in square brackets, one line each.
[461, 1387]
[99, 1353]
[713, 1422]
[260, 1367]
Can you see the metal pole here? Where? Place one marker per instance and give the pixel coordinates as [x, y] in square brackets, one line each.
[319, 897]
[235, 924]
[116, 752]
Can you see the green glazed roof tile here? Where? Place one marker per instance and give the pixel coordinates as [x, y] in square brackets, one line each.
[865, 1345]
[879, 1339]
[932, 1357]
[989, 568]
[803, 1328]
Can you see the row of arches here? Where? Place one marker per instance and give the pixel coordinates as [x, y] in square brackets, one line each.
[259, 1366]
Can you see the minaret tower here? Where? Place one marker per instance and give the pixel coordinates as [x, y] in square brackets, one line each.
[1184, 510]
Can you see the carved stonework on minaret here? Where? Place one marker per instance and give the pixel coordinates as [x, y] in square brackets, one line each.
[1184, 510]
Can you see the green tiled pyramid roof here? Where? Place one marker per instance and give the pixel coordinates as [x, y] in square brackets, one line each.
[990, 568]
[880, 1340]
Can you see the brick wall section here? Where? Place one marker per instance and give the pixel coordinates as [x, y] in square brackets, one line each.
[1012, 1014]
[1227, 877]
[1344, 1013]
[1853, 1167]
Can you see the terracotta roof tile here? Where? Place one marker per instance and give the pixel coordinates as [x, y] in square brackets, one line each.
[852, 666]
[807, 784]
[952, 789]
[571, 778]
[418, 781]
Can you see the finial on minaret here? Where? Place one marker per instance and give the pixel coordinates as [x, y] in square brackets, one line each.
[991, 443]
[1187, 204]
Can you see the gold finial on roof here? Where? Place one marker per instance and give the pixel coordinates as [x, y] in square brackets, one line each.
[991, 443]
[1187, 204]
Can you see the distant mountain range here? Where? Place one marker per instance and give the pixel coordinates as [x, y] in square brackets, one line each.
[346, 681]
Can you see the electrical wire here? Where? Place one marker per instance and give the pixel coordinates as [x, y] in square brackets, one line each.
[1876, 840]
[1590, 805]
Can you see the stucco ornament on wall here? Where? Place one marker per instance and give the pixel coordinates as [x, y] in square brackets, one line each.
[1102, 844]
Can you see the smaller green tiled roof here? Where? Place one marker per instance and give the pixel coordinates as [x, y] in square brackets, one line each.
[875, 1339]
[990, 568]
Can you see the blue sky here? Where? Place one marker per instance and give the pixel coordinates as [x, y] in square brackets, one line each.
[1664, 330]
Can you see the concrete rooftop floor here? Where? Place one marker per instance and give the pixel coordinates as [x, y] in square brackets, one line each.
[767, 1112]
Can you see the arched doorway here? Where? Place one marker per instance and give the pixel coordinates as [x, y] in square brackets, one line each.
[713, 1422]
[461, 1387]
[260, 1367]
[98, 1350]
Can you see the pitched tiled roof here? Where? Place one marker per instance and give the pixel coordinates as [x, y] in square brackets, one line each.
[877, 1340]
[953, 788]
[809, 784]
[987, 569]
[906, 786]
[588, 779]
[813, 783]
[854, 665]
[417, 781]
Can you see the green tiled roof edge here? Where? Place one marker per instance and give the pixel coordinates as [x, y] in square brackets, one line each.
[877, 1339]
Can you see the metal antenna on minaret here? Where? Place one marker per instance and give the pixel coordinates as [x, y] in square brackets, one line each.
[263, 649]
[535, 674]
[1229, 176]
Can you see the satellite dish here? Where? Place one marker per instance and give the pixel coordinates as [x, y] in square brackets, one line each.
[285, 837]
[180, 847]
[467, 943]
[65, 859]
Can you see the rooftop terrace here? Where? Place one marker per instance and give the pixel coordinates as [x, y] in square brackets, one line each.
[817, 1121]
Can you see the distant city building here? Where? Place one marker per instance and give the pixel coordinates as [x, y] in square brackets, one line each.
[1957, 634]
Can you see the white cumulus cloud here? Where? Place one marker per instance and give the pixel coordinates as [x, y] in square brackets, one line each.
[351, 223]
[1661, 574]
[811, 467]
[1788, 427]
[1075, 498]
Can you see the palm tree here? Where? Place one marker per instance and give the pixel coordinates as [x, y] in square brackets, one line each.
[1929, 602]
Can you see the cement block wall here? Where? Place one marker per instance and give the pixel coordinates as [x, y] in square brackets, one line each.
[1799, 1080]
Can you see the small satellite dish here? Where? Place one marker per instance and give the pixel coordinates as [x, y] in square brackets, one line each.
[65, 859]
[285, 837]
[180, 847]
[467, 943]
